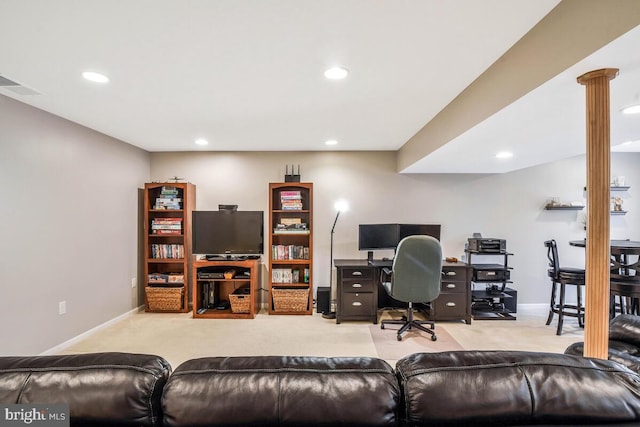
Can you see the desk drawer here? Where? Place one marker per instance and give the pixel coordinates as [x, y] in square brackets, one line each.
[454, 273]
[450, 286]
[357, 273]
[357, 304]
[351, 285]
[451, 305]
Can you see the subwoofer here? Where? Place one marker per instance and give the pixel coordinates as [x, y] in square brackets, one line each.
[322, 299]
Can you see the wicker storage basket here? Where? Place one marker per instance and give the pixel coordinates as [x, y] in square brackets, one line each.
[290, 299]
[164, 298]
[240, 303]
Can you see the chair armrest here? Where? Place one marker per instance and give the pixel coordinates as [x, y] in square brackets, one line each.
[385, 275]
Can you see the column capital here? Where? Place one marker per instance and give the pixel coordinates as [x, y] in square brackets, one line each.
[610, 73]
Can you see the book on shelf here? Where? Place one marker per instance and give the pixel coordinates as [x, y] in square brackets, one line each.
[289, 252]
[290, 221]
[165, 278]
[290, 231]
[168, 199]
[291, 206]
[291, 200]
[167, 251]
[169, 189]
[285, 275]
[166, 226]
[290, 195]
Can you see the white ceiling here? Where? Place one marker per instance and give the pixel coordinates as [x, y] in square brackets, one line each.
[247, 74]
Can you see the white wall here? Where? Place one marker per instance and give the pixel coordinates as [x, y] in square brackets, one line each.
[508, 206]
[69, 214]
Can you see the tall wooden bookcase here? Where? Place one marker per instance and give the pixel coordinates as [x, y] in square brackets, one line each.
[167, 245]
[290, 248]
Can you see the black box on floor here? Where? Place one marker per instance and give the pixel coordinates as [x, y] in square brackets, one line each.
[511, 304]
[322, 299]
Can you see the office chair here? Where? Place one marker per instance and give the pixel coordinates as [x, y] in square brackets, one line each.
[414, 278]
[564, 276]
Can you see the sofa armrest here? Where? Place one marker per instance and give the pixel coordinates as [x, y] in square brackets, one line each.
[625, 328]
[101, 388]
[274, 391]
[515, 388]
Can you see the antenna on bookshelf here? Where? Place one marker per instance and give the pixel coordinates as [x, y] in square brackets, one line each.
[176, 178]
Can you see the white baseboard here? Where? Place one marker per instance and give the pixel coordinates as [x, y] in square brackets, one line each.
[68, 343]
[533, 308]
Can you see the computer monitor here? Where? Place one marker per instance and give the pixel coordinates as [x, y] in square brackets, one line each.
[377, 236]
[432, 230]
[373, 237]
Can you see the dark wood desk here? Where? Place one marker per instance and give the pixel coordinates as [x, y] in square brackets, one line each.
[360, 296]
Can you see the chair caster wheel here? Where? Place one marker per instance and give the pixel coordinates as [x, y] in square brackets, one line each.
[434, 338]
[381, 325]
[399, 338]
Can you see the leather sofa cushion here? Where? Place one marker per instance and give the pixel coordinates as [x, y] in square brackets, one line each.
[101, 388]
[625, 328]
[621, 352]
[515, 388]
[281, 391]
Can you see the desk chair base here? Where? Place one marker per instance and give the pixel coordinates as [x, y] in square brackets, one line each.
[410, 323]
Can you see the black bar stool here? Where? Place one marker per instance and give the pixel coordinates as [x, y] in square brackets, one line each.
[564, 276]
[625, 280]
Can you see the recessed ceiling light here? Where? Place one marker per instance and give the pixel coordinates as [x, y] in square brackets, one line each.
[331, 142]
[201, 141]
[336, 73]
[632, 109]
[504, 155]
[95, 77]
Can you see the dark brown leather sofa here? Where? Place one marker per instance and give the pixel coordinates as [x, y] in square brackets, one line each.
[464, 388]
[624, 342]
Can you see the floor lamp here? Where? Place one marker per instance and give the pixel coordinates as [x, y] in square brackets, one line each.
[340, 206]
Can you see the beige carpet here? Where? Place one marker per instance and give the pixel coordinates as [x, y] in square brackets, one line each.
[413, 341]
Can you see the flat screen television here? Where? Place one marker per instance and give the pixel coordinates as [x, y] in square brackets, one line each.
[228, 232]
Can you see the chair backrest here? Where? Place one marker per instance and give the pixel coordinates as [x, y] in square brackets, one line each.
[625, 264]
[552, 255]
[417, 269]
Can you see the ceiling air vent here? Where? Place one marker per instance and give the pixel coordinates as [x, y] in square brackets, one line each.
[15, 87]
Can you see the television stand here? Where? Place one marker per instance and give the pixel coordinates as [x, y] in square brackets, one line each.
[236, 281]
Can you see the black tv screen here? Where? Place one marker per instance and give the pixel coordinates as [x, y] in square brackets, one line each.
[377, 236]
[228, 232]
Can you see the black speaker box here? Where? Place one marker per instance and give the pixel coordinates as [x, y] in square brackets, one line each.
[511, 304]
[322, 299]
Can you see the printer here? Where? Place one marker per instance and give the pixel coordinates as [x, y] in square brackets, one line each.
[487, 245]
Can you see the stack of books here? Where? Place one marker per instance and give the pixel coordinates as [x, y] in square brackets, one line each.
[169, 199]
[166, 226]
[173, 251]
[285, 252]
[285, 275]
[166, 278]
[291, 200]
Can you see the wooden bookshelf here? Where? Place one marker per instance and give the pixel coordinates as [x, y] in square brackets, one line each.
[167, 245]
[290, 248]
